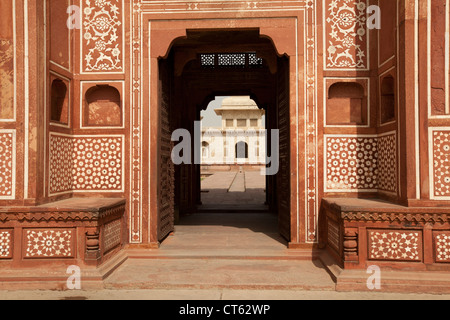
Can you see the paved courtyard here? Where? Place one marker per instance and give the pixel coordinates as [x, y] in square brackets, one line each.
[234, 187]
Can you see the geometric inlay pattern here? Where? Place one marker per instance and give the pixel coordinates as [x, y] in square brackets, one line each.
[6, 164]
[61, 164]
[351, 163]
[441, 163]
[54, 243]
[346, 36]
[98, 164]
[387, 163]
[442, 247]
[112, 234]
[102, 36]
[394, 245]
[5, 244]
[85, 163]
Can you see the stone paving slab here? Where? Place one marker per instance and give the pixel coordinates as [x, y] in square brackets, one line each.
[238, 184]
[234, 188]
[219, 180]
[220, 251]
[254, 180]
[219, 273]
[226, 231]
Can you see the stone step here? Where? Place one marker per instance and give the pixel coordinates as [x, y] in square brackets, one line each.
[225, 254]
[220, 273]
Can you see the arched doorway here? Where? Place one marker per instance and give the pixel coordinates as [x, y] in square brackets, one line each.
[241, 150]
[205, 150]
[199, 67]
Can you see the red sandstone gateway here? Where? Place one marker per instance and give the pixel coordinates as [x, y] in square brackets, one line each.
[86, 116]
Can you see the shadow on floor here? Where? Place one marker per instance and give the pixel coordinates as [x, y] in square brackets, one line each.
[234, 224]
[251, 196]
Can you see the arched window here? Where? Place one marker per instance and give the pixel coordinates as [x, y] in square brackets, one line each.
[346, 104]
[59, 102]
[387, 99]
[103, 106]
[241, 150]
[205, 149]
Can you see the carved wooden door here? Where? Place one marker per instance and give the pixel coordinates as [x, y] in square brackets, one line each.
[283, 179]
[166, 179]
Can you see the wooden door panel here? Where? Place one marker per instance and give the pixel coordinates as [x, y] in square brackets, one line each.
[166, 179]
[283, 177]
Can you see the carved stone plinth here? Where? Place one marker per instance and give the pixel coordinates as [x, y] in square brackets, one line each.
[364, 232]
[73, 231]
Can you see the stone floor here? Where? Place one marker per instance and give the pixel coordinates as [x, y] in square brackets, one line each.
[232, 187]
[230, 250]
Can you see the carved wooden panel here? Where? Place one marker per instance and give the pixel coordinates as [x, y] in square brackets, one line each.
[166, 181]
[284, 176]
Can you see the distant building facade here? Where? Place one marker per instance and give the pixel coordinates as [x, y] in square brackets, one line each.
[242, 137]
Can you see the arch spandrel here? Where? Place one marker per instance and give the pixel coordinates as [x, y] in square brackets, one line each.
[165, 35]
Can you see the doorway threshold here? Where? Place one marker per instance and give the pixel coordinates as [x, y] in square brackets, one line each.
[248, 236]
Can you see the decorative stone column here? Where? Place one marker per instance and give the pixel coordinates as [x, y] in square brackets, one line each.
[92, 245]
[351, 245]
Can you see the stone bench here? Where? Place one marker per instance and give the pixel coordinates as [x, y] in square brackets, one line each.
[76, 231]
[364, 232]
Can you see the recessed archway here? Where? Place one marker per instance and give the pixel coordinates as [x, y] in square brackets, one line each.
[281, 50]
[199, 67]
